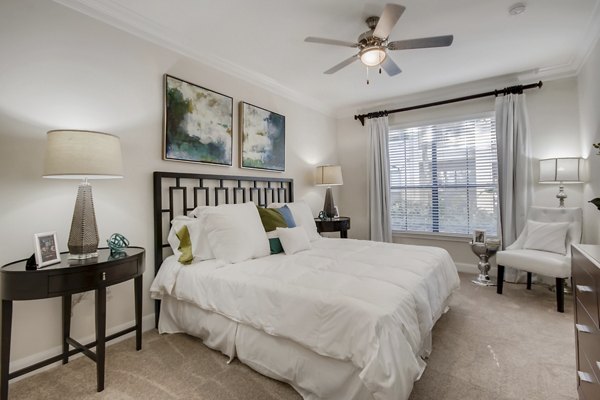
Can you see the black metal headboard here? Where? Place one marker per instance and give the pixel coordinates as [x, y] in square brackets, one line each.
[178, 193]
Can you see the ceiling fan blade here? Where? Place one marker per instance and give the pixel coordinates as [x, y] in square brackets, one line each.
[390, 66]
[390, 15]
[422, 43]
[334, 42]
[341, 65]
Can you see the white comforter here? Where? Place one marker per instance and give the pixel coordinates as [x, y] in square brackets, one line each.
[369, 303]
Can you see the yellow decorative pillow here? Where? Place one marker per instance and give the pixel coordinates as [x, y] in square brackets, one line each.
[185, 246]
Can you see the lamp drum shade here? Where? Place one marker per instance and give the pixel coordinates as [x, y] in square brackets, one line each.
[329, 175]
[567, 170]
[74, 154]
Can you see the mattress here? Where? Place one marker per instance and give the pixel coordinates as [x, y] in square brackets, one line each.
[358, 312]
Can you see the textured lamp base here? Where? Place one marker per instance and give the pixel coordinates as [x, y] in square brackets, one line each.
[329, 206]
[83, 237]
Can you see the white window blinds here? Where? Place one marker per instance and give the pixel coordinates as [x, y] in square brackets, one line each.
[444, 177]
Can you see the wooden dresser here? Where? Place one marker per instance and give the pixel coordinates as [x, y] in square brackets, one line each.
[585, 265]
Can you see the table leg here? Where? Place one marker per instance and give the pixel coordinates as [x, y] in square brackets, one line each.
[66, 331]
[5, 349]
[344, 234]
[100, 335]
[138, 283]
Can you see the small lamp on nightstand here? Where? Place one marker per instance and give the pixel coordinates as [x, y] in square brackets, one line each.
[561, 171]
[329, 175]
[84, 155]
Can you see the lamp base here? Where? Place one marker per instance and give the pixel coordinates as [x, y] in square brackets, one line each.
[82, 256]
[83, 237]
[329, 206]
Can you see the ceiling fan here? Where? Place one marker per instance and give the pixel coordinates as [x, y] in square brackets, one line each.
[373, 44]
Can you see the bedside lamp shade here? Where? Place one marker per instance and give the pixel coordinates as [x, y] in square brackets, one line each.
[72, 154]
[561, 171]
[83, 154]
[329, 175]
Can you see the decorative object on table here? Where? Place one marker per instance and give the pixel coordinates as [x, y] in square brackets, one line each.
[117, 243]
[595, 202]
[46, 249]
[561, 171]
[597, 147]
[484, 250]
[478, 236]
[262, 138]
[198, 124]
[83, 155]
[329, 175]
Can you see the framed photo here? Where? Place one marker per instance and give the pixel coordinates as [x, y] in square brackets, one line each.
[46, 249]
[479, 236]
[198, 124]
[262, 138]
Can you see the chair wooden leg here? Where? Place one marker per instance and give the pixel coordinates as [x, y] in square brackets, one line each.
[500, 279]
[560, 295]
[529, 275]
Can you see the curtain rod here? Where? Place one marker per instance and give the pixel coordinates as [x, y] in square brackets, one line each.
[518, 89]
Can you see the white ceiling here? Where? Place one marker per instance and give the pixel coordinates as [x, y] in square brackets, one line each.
[263, 40]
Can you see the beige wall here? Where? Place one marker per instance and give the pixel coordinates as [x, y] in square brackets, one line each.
[554, 122]
[589, 107]
[60, 69]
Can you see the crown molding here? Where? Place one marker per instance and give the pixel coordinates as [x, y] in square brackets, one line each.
[125, 19]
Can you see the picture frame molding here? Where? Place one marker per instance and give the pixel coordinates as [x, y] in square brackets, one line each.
[477, 233]
[38, 250]
[241, 138]
[164, 133]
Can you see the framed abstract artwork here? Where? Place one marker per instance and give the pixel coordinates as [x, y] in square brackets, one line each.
[198, 124]
[262, 135]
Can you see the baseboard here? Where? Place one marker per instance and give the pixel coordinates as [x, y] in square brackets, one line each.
[147, 324]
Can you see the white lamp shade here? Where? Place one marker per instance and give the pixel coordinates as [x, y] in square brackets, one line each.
[72, 154]
[329, 175]
[567, 170]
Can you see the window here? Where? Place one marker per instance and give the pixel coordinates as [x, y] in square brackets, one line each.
[444, 177]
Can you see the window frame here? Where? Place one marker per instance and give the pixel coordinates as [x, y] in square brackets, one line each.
[447, 236]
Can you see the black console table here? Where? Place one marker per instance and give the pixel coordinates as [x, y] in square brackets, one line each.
[65, 279]
[337, 224]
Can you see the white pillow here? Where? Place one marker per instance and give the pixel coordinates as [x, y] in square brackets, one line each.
[293, 240]
[235, 232]
[547, 236]
[303, 216]
[198, 237]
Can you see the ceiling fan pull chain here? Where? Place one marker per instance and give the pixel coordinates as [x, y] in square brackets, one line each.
[380, 70]
[367, 75]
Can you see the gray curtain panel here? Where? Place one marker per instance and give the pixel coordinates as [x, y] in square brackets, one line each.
[380, 228]
[515, 174]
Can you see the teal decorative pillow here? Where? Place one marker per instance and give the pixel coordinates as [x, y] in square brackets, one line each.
[273, 218]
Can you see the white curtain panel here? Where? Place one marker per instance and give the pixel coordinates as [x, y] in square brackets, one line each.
[515, 171]
[380, 228]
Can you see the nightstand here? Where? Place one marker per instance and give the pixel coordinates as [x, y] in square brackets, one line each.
[339, 224]
[65, 279]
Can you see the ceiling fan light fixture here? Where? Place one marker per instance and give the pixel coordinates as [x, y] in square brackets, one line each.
[372, 56]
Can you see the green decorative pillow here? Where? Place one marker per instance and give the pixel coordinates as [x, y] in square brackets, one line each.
[185, 246]
[271, 219]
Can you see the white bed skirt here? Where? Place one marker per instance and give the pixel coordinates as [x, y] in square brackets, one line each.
[312, 375]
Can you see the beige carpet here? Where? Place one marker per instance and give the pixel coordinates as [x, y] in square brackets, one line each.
[514, 346]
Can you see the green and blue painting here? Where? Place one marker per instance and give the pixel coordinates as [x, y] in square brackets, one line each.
[198, 123]
[263, 138]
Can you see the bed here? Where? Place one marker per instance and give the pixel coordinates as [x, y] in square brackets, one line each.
[344, 319]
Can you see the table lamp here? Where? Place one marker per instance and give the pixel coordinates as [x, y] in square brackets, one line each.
[73, 154]
[561, 171]
[329, 175]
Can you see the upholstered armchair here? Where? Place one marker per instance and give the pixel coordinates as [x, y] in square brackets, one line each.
[544, 247]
